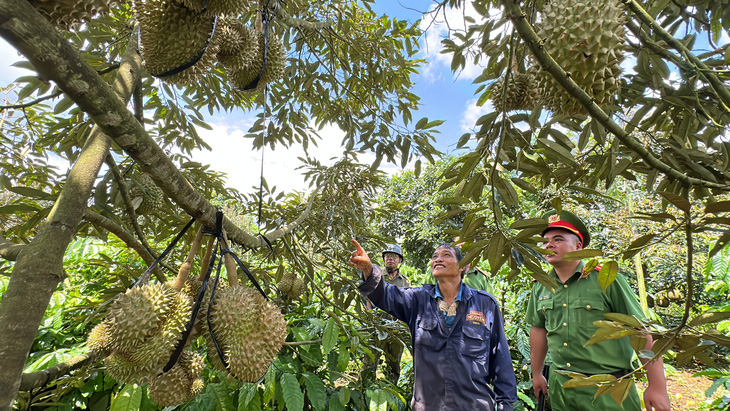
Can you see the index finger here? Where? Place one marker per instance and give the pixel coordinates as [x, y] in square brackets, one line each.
[357, 246]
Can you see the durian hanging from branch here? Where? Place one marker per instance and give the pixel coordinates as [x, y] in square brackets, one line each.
[586, 38]
[518, 94]
[66, 14]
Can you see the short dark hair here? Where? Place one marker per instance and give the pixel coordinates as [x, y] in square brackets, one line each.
[456, 249]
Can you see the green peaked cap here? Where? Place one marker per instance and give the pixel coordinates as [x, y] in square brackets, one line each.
[567, 221]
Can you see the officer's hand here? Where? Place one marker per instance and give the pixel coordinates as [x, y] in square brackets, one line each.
[360, 260]
[656, 399]
[539, 384]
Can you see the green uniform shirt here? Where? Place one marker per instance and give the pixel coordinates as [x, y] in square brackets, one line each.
[568, 315]
[400, 280]
[473, 279]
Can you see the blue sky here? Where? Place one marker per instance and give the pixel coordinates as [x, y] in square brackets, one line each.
[444, 96]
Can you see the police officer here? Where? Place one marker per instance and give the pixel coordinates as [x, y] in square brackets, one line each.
[461, 359]
[391, 346]
[562, 322]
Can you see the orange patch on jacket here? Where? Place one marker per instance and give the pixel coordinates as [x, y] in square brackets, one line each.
[476, 317]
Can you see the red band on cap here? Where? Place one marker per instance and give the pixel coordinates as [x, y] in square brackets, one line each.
[566, 225]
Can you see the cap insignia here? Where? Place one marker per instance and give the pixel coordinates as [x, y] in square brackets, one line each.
[553, 218]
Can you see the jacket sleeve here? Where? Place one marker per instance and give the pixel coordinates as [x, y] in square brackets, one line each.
[504, 381]
[401, 303]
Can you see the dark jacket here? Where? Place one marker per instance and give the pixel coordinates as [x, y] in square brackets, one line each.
[467, 367]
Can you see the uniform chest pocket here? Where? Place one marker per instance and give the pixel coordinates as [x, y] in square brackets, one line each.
[427, 333]
[545, 309]
[588, 310]
[474, 341]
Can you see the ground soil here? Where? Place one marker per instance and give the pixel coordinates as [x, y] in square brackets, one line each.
[687, 393]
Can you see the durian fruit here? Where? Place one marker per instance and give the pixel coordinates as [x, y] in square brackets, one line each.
[221, 7]
[181, 384]
[298, 288]
[519, 95]
[147, 195]
[100, 339]
[239, 45]
[145, 326]
[250, 332]
[586, 38]
[275, 65]
[287, 282]
[139, 314]
[68, 13]
[174, 36]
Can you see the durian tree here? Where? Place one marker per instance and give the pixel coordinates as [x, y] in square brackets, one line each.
[127, 136]
[626, 91]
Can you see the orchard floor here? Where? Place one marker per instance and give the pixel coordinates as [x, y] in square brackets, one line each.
[686, 392]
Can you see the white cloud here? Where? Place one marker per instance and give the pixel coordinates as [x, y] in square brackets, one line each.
[436, 27]
[472, 114]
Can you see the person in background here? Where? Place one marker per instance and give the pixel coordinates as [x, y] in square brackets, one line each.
[562, 322]
[461, 359]
[391, 346]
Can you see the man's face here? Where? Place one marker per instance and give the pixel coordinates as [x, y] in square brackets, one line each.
[560, 242]
[444, 263]
[392, 260]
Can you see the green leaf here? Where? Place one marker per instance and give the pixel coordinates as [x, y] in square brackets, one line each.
[219, 393]
[718, 207]
[315, 391]
[709, 318]
[581, 254]
[679, 202]
[330, 336]
[377, 400]
[608, 274]
[246, 394]
[624, 319]
[591, 381]
[127, 399]
[292, 392]
[33, 193]
[18, 209]
[344, 395]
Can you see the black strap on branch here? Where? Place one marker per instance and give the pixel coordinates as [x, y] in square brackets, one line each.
[145, 277]
[196, 307]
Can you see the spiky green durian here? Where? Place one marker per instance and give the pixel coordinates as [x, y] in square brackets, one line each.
[239, 45]
[274, 70]
[221, 7]
[287, 281]
[586, 38]
[138, 314]
[181, 384]
[520, 93]
[174, 37]
[147, 195]
[68, 13]
[250, 332]
[297, 289]
[100, 339]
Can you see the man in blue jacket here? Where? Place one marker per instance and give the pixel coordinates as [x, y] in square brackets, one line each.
[460, 355]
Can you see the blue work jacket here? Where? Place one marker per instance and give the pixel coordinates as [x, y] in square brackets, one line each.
[467, 367]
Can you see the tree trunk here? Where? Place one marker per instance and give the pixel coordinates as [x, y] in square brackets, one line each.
[39, 266]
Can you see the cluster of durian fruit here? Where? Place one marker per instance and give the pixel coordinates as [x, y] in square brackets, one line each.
[292, 286]
[145, 325]
[586, 38]
[183, 39]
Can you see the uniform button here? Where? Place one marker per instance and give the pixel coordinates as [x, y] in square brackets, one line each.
[565, 285]
[565, 324]
[565, 305]
[567, 365]
[588, 306]
[565, 344]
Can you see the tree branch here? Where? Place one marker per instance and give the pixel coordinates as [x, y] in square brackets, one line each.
[10, 251]
[126, 237]
[546, 61]
[37, 379]
[722, 92]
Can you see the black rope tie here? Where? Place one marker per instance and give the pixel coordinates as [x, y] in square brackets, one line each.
[143, 279]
